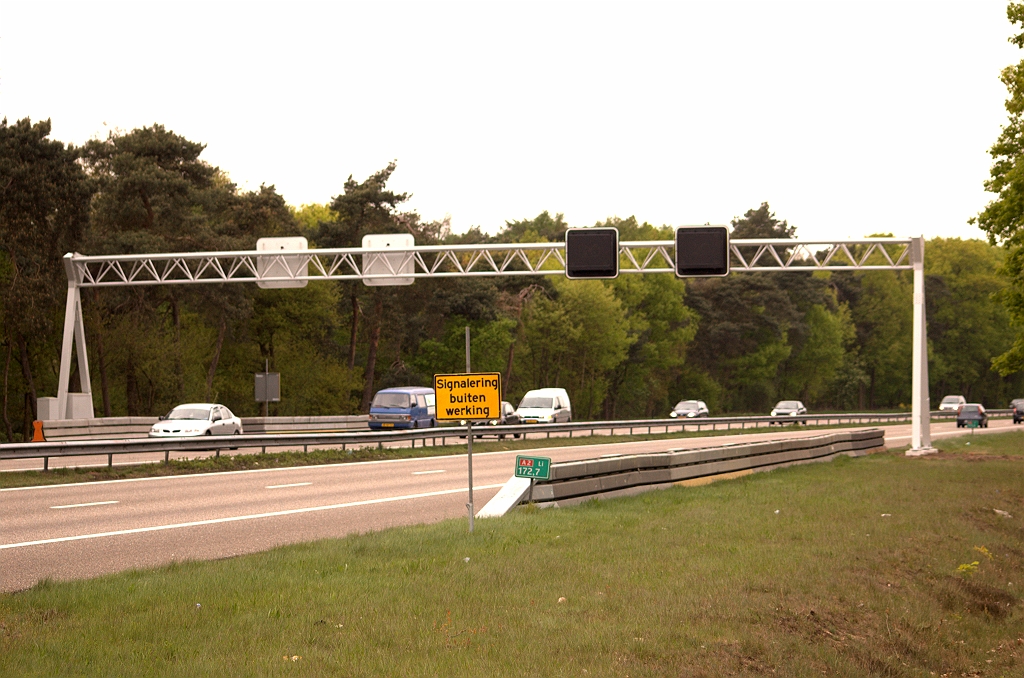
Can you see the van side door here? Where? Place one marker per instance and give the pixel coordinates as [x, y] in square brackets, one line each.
[420, 410]
[563, 413]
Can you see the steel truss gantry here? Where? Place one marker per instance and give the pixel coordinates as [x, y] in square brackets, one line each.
[279, 268]
[448, 261]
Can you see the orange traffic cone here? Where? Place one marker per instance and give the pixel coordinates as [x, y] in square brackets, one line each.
[38, 436]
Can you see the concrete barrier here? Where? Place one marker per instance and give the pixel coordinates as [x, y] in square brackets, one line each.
[588, 478]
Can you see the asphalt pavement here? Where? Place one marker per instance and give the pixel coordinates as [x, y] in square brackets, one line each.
[90, 529]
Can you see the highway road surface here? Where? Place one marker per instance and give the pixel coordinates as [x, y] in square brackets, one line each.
[86, 530]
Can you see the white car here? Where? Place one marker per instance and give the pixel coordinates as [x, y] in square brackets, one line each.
[689, 409]
[789, 408]
[197, 419]
[952, 403]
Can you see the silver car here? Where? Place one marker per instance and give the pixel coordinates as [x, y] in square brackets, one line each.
[789, 408]
[197, 419]
[689, 409]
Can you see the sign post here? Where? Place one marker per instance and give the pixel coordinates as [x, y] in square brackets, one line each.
[468, 397]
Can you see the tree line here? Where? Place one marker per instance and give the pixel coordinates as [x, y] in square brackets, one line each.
[629, 347]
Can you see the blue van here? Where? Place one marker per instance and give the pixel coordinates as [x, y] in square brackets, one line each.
[403, 407]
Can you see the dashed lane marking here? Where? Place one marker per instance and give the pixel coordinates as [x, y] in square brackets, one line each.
[91, 503]
[254, 516]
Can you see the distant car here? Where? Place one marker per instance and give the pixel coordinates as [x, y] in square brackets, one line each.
[789, 408]
[971, 412]
[1018, 410]
[545, 406]
[197, 419]
[690, 409]
[403, 407]
[508, 418]
[952, 403]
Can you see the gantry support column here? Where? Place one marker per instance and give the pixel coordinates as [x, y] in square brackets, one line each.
[71, 405]
[920, 435]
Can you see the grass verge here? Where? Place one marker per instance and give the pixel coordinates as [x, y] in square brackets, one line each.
[876, 566]
[245, 462]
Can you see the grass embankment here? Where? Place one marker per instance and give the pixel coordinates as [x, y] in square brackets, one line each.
[245, 462]
[877, 566]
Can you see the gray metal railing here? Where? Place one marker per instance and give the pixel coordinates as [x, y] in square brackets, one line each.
[434, 436]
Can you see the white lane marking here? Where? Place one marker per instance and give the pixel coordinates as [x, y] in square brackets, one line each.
[92, 503]
[277, 487]
[423, 473]
[254, 516]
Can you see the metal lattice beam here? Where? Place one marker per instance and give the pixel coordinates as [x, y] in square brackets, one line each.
[440, 261]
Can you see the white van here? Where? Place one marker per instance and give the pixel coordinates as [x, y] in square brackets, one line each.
[545, 406]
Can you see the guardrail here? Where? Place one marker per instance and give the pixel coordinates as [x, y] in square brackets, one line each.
[587, 478]
[109, 448]
[109, 428]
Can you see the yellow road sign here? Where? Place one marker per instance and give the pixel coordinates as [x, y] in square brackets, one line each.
[468, 396]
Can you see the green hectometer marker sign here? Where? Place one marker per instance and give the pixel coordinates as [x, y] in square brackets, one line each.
[538, 468]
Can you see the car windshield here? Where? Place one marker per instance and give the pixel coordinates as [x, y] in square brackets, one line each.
[788, 405]
[536, 402]
[687, 405]
[400, 400]
[201, 413]
[969, 409]
[950, 400]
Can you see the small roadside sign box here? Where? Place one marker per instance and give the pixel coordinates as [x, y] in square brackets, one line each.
[537, 468]
[268, 387]
[468, 397]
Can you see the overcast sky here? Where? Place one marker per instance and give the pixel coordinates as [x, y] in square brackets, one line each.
[848, 118]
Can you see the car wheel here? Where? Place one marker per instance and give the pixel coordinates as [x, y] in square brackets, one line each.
[237, 432]
[515, 435]
[501, 436]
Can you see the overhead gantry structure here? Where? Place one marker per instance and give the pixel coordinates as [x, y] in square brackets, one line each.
[404, 264]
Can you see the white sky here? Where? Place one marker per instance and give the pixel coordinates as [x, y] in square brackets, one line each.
[847, 117]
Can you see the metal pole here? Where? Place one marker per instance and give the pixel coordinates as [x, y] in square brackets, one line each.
[920, 435]
[64, 375]
[265, 405]
[469, 443]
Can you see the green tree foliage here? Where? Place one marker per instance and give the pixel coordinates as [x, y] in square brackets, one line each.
[542, 228]
[661, 328]
[967, 331]
[1003, 217]
[573, 340]
[44, 202]
[157, 194]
